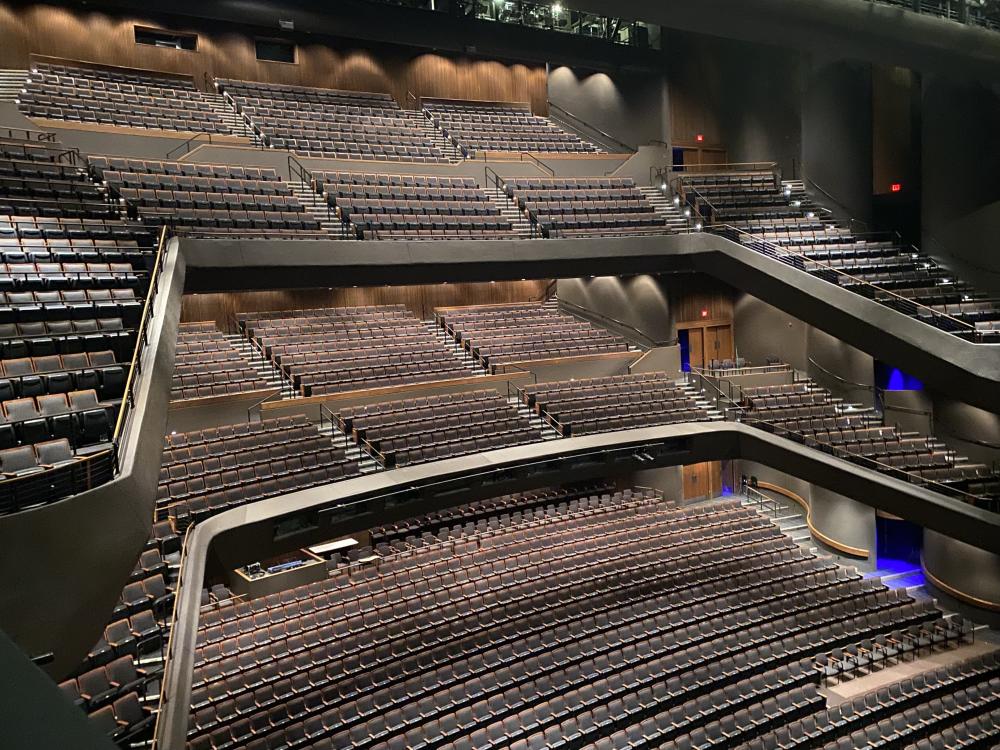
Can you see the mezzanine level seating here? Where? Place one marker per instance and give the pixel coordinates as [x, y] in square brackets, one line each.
[561, 630]
[498, 335]
[803, 408]
[475, 127]
[206, 364]
[398, 433]
[119, 97]
[333, 350]
[330, 123]
[379, 206]
[616, 402]
[585, 206]
[208, 471]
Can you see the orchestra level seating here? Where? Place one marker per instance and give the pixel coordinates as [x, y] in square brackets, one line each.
[609, 621]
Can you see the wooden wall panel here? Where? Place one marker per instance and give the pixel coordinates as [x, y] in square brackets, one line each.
[690, 294]
[102, 37]
[420, 299]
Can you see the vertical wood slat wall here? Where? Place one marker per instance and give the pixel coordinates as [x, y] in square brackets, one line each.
[419, 299]
[100, 37]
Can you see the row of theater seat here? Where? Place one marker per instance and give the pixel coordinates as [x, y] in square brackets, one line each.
[805, 409]
[206, 364]
[590, 405]
[342, 349]
[99, 95]
[498, 335]
[333, 669]
[75, 304]
[794, 224]
[231, 468]
[401, 433]
[179, 169]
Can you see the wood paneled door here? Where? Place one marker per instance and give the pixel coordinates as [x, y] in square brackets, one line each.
[702, 480]
[708, 342]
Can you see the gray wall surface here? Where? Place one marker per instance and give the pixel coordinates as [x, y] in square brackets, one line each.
[629, 105]
[951, 562]
[762, 330]
[843, 520]
[837, 133]
[636, 306]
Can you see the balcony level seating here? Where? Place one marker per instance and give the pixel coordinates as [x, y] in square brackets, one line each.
[329, 123]
[476, 127]
[499, 335]
[879, 266]
[617, 402]
[118, 97]
[207, 199]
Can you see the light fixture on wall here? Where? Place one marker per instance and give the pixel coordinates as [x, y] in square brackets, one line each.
[700, 138]
[557, 8]
[697, 226]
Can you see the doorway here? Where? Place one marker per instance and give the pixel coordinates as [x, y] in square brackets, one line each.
[706, 342]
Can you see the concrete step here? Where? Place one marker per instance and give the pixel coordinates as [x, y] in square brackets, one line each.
[509, 210]
[317, 207]
[226, 110]
[12, 83]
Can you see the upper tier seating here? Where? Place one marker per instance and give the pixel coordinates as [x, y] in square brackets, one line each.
[332, 124]
[806, 409]
[378, 206]
[41, 178]
[332, 350]
[398, 433]
[497, 335]
[616, 402]
[118, 96]
[585, 206]
[206, 364]
[208, 471]
[207, 198]
[559, 631]
[476, 127]
[805, 235]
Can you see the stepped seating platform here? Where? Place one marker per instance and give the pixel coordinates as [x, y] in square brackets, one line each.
[398, 433]
[329, 123]
[594, 623]
[205, 472]
[499, 335]
[119, 97]
[327, 351]
[477, 127]
[206, 364]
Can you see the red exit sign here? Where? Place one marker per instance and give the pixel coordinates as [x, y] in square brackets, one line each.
[896, 187]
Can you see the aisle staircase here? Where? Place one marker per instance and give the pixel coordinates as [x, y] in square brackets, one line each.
[11, 83]
[264, 369]
[439, 140]
[316, 206]
[226, 111]
[665, 207]
[520, 223]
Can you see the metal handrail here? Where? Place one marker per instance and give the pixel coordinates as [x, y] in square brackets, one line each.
[541, 164]
[490, 176]
[630, 149]
[187, 145]
[142, 339]
[655, 341]
[824, 191]
[298, 170]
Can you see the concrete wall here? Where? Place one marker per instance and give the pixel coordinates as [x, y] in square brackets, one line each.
[636, 306]
[972, 431]
[911, 411]
[837, 133]
[631, 106]
[967, 573]
[761, 330]
[847, 372]
[843, 520]
[961, 174]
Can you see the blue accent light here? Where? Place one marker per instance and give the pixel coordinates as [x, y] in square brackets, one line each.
[890, 378]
